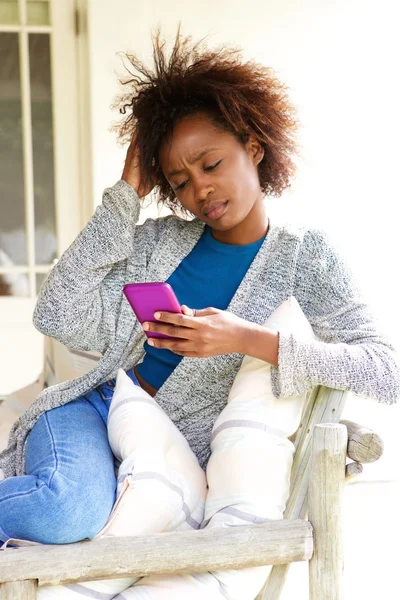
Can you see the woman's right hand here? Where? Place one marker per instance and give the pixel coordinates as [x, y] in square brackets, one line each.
[132, 171]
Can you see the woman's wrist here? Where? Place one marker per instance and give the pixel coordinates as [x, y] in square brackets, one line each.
[259, 342]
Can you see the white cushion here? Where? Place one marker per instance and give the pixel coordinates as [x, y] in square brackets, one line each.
[251, 455]
[160, 483]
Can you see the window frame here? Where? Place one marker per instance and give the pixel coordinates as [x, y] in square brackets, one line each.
[70, 148]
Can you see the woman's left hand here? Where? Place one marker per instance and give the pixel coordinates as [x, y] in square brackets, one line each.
[200, 333]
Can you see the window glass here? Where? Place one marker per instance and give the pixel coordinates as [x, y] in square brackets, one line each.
[38, 12]
[42, 146]
[12, 203]
[9, 14]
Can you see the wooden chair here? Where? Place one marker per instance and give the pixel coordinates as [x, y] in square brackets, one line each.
[310, 531]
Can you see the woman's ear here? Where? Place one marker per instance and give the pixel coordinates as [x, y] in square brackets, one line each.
[255, 150]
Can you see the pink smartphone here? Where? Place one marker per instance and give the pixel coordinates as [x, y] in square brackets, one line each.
[147, 298]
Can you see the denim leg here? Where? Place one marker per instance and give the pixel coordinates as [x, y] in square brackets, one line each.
[69, 488]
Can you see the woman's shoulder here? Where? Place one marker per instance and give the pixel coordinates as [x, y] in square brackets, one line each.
[297, 233]
[307, 238]
[307, 248]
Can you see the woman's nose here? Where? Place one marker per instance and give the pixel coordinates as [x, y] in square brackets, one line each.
[203, 187]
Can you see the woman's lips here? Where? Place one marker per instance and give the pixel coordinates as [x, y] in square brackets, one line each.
[218, 211]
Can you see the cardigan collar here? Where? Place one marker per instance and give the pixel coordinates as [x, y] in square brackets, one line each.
[174, 246]
[255, 299]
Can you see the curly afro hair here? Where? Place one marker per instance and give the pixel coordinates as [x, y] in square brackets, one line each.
[244, 98]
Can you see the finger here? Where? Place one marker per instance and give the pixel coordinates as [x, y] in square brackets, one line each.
[204, 312]
[190, 312]
[172, 331]
[175, 318]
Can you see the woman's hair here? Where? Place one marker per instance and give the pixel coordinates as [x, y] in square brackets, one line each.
[244, 98]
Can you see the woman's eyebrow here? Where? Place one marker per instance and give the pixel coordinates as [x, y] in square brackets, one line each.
[192, 160]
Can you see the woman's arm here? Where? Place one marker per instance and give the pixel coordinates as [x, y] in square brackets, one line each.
[350, 353]
[73, 305]
[80, 301]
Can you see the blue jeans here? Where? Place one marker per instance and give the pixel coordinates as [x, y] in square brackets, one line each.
[69, 488]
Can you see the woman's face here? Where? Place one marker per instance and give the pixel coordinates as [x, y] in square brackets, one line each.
[215, 177]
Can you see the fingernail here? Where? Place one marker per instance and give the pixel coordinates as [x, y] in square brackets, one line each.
[157, 315]
[151, 343]
[145, 326]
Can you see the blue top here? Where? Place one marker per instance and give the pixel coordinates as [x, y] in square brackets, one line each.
[208, 276]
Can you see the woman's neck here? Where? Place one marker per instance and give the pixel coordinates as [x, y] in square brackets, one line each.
[248, 231]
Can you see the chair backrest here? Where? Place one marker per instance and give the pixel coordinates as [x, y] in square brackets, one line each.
[59, 364]
[62, 363]
[322, 405]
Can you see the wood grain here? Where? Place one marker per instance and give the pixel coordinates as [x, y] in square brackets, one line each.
[325, 493]
[188, 551]
[353, 469]
[364, 445]
[323, 405]
[19, 590]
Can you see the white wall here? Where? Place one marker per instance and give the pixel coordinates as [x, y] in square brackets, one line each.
[339, 59]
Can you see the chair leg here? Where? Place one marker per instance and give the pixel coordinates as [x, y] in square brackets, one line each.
[23, 590]
[325, 493]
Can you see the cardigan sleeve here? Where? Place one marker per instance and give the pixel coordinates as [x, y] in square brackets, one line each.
[79, 302]
[350, 353]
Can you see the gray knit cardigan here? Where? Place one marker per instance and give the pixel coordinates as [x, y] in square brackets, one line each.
[82, 305]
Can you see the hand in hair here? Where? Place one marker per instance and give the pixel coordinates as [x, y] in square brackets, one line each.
[132, 172]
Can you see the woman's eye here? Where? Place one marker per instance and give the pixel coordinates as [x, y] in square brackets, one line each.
[211, 167]
[181, 186]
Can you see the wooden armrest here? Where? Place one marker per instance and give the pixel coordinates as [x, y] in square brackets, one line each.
[364, 445]
[272, 542]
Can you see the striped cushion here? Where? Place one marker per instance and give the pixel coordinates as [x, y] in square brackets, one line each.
[160, 483]
[248, 473]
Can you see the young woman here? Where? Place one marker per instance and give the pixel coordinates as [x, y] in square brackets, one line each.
[215, 135]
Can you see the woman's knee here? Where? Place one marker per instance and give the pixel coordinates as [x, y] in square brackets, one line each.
[69, 528]
[78, 512]
[60, 513]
